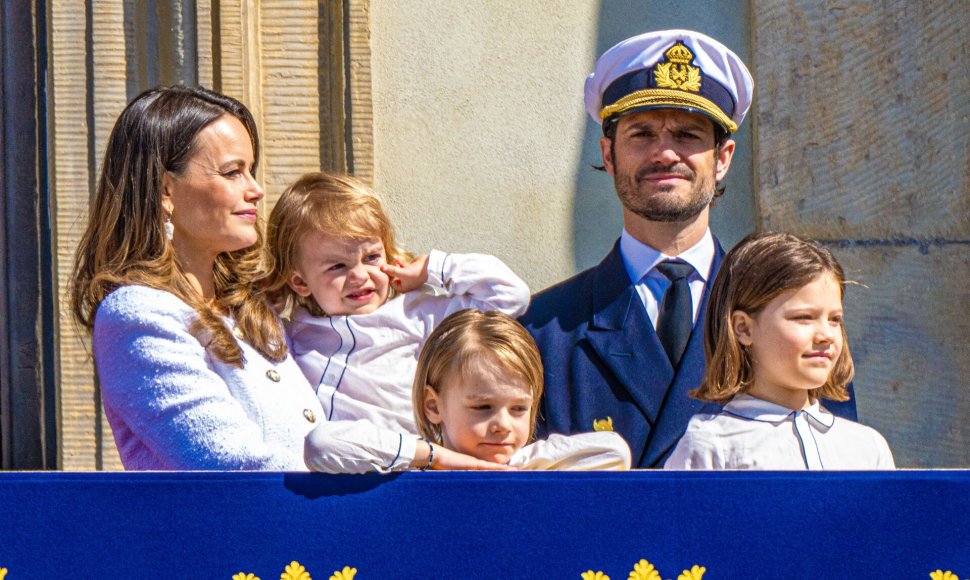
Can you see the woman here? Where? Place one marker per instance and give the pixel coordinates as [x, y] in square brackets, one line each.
[192, 362]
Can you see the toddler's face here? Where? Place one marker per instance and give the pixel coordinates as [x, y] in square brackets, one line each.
[342, 274]
[794, 342]
[486, 414]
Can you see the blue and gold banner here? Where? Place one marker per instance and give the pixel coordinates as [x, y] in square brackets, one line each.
[637, 525]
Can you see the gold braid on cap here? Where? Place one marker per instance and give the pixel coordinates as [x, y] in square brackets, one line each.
[669, 98]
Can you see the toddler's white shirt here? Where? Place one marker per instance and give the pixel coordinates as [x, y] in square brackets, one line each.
[362, 365]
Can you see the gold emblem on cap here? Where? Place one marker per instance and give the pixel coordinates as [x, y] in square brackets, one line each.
[603, 424]
[677, 72]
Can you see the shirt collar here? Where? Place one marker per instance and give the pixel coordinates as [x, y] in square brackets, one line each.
[639, 258]
[748, 407]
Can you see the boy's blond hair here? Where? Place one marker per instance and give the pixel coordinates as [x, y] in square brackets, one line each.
[756, 271]
[333, 204]
[469, 335]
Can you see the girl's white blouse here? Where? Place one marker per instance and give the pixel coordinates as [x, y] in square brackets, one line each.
[750, 433]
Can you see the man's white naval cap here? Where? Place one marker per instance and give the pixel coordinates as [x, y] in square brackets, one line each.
[679, 69]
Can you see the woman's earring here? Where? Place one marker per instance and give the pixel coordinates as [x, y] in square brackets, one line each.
[169, 228]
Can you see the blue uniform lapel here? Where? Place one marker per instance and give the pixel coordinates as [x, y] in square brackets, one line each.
[621, 334]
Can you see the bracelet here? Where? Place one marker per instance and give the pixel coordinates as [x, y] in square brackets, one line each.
[430, 454]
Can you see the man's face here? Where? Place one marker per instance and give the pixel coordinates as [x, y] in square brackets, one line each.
[665, 164]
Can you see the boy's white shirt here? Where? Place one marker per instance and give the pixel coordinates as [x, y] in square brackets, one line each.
[360, 447]
[596, 451]
[750, 433]
[362, 366]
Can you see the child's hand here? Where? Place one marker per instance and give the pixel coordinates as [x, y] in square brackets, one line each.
[405, 278]
[447, 459]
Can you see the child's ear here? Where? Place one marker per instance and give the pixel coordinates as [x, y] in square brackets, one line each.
[741, 327]
[431, 405]
[298, 284]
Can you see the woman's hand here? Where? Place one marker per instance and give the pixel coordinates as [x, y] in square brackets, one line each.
[446, 459]
[407, 277]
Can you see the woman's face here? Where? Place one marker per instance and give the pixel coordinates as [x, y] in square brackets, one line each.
[212, 204]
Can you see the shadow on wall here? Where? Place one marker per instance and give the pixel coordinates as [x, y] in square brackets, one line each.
[597, 217]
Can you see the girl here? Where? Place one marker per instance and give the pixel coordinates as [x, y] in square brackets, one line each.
[775, 344]
[357, 313]
[477, 390]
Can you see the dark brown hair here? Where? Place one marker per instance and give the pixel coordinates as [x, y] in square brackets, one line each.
[757, 270]
[125, 241]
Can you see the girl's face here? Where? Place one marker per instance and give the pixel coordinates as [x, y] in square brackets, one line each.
[342, 274]
[487, 413]
[212, 204]
[794, 342]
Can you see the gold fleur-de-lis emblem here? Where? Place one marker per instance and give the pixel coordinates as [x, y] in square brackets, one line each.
[347, 573]
[295, 571]
[603, 424]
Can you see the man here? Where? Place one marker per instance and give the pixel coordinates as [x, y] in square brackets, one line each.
[622, 342]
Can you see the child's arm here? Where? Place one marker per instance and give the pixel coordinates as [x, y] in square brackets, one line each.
[475, 281]
[601, 450]
[361, 447]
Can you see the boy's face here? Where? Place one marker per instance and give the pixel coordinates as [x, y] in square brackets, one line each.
[342, 274]
[487, 413]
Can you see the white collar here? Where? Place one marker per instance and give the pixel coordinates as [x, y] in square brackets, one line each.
[639, 258]
[748, 407]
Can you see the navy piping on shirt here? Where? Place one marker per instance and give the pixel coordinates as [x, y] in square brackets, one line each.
[801, 444]
[444, 283]
[814, 440]
[346, 362]
[400, 444]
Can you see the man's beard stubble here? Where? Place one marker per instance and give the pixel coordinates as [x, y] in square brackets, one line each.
[651, 207]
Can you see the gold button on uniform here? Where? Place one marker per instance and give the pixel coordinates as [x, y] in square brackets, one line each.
[309, 415]
[273, 375]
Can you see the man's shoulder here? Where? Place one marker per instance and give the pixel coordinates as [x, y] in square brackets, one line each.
[563, 306]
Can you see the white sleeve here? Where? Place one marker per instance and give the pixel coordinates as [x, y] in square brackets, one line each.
[695, 450]
[600, 450]
[357, 447]
[884, 455]
[477, 281]
[155, 379]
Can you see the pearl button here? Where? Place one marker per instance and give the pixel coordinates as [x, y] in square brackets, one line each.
[309, 415]
[273, 375]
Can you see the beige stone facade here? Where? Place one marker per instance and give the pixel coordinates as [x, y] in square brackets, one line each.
[468, 118]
